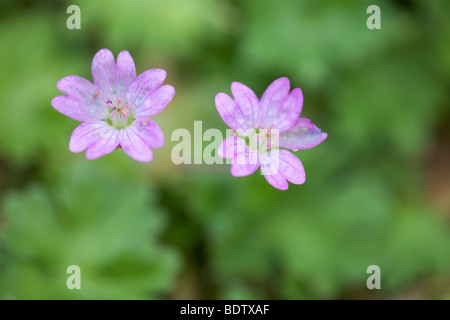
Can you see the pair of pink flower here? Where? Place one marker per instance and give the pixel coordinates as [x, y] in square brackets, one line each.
[116, 108]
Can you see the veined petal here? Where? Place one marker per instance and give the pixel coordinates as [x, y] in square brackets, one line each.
[288, 111]
[302, 135]
[270, 162]
[107, 143]
[78, 109]
[134, 146]
[244, 163]
[271, 100]
[155, 102]
[104, 73]
[230, 113]
[231, 146]
[149, 132]
[81, 89]
[86, 134]
[291, 167]
[125, 72]
[144, 84]
[248, 102]
[277, 180]
[270, 168]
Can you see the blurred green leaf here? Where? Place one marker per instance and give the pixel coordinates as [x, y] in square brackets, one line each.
[104, 225]
[313, 40]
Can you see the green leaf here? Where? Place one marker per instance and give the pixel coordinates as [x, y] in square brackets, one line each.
[109, 227]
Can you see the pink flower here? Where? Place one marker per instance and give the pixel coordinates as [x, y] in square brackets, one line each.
[261, 127]
[116, 108]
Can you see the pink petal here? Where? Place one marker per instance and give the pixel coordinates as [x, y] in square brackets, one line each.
[291, 167]
[144, 84]
[134, 146]
[288, 111]
[270, 162]
[81, 89]
[86, 134]
[97, 135]
[229, 111]
[78, 109]
[125, 72]
[230, 147]
[277, 180]
[271, 100]
[248, 102]
[106, 144]
[281, 165]
[155, 102]
[149, 132]
[104, 73]
[302, 135]
[270, 168]
[244, 163]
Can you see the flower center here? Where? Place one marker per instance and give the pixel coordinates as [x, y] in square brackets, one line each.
[267, 137]
[120, 115]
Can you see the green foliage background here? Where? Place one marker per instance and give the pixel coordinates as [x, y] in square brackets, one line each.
[376, 192]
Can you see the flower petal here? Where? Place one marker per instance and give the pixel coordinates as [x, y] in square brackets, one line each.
[271, 100]
[149, 132]
[104, 73]
[291, 167]
[85, 135]
[107, 143]
[134, 146]
[78, 109]
[231, 146]
[248, 102]
[81, 89]
[288, 111]
[277, 180]
[155, 102]
[144, 84]
[270, 162]
[302, 135]
[244, 163]
[125, 72]
[270, 168]
[97, 137]
[230, 113]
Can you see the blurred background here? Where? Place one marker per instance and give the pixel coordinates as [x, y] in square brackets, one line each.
[377, 190]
